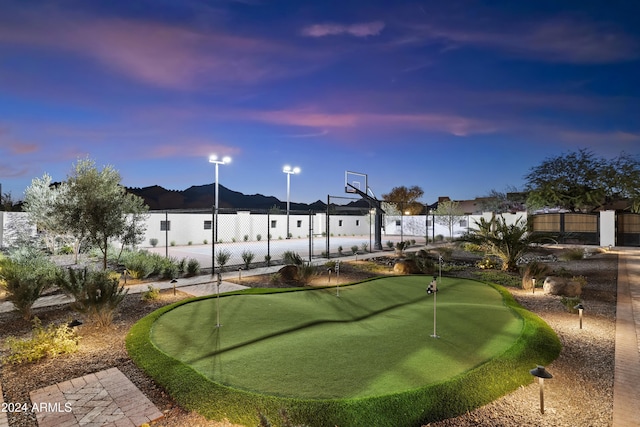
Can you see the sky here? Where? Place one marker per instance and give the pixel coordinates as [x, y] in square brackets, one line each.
[459, 97]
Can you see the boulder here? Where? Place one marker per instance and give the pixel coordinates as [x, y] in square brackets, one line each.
[289, 273]
[554, 285]
[406, 266]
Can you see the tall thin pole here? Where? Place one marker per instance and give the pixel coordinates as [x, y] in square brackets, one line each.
[288, 201]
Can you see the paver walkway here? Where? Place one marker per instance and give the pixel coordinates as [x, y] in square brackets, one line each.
[626, 384]
[4, 421]
[105, 398]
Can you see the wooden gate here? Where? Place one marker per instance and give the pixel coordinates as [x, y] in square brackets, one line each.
[627, 229]
[577, 228]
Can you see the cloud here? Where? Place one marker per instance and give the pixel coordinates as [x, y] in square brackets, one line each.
[158, 54]
[561, 39]
[190, 147]
[365, 29]
[434, 122]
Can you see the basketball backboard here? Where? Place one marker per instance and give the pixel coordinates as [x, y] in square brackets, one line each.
[354, 180]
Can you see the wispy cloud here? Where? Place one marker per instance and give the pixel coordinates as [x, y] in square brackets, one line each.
[158, 54]
[365, 29]
[309, 135]
[562, 39]
[433, 122]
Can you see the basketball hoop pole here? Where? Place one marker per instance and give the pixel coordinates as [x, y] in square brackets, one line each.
[350, 187]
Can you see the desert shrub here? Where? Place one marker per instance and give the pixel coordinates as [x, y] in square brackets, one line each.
[169, 268]
[267, 260]
[290, 257]
[275, 279]
[573, 254]
[389, 244]
[182, 265]
[189, 243]
[246, 238]
[205, 242]
[445, 252]
[222, 258]
[354, 249]
[499, 277]
[97, 293]
[153, 241]
[65, 250]
[139, 265]
[570, 302]
[193, 267]
[50, 341]
[365, 247]
[152, 293]
[413, 242]
[487, 263]
[24, 275]
[340, 249]
[305, 272]
[472, 248]
[247, 258]
[534, 270]
[173, 243]
[258, 237]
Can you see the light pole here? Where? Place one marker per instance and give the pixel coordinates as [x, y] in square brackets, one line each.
[289, 171]
[214, 224]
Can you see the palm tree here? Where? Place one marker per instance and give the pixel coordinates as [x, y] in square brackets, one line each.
[508, 242]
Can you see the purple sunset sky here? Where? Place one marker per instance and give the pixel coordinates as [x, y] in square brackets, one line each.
[457, 97]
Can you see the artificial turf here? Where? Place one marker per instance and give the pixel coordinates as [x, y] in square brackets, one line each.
[372, 340]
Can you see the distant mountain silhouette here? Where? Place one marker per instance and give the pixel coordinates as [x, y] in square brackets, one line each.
[202, 197]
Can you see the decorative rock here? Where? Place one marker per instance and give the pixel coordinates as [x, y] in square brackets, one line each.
[554, 285]
[406, 266]
[289, 273]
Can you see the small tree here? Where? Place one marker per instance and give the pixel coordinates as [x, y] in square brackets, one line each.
[222, 258]
[247, 257]
[449, 214]
[97, 207]
[405, 199]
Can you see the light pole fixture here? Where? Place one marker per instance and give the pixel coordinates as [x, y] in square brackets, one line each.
[541, 373]
[214, 221]
[580, 309]
[289, 171]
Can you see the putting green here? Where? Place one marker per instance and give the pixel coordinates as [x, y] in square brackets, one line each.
[374, 339]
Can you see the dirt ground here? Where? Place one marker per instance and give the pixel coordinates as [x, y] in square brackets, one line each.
[581, 392]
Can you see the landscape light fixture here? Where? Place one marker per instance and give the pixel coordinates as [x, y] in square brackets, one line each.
[580, 308]
[214, 223]
[289, 171]
[533, 288]
[173, 282]
[541, 373]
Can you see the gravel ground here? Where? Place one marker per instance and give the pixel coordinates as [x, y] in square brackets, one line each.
[580, 394]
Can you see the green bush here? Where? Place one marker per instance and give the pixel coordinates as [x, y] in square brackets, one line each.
[152, 293]
[246, 238]
[365, 247]
[259, 237]
[305, 272]
[139, 265]
[50, 341]
[354, 249]
[97, 293]
[153, 241]
[193, 267]
[267, 260]
[25, 274]
[389, 244]
[275, 279]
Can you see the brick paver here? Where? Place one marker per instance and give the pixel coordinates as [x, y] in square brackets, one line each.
[105, 398]
[4, 421]
[626, 386]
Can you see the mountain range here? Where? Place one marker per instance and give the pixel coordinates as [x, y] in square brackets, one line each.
[202, 197]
